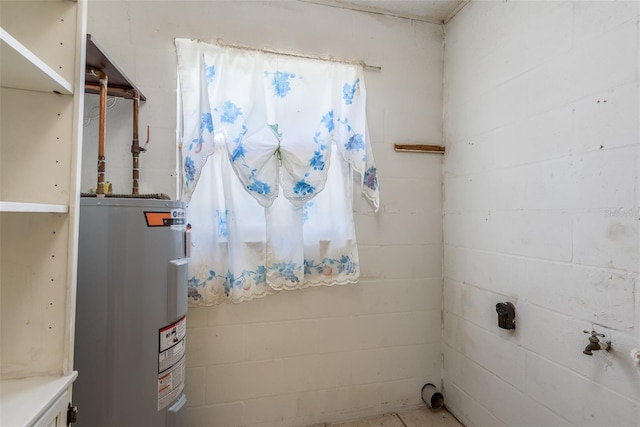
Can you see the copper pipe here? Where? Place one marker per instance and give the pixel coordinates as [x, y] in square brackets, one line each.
[113, 91]
[102, 129]
[135, 143]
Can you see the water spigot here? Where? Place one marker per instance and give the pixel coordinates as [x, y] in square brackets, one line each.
[595, 344]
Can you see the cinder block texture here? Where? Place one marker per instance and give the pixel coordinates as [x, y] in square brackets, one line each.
[325, 354]
[541, 186]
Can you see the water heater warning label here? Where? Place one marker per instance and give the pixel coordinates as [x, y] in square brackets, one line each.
[172, 334]
[171, 356]
[171, 362]
[174, 219]
[170, 384]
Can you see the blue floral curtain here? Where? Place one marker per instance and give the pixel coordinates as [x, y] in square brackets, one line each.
[270, 148]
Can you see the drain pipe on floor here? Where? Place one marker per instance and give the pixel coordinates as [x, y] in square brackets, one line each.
[432, 397]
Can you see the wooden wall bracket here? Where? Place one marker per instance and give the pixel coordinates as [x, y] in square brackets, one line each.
[419, 148]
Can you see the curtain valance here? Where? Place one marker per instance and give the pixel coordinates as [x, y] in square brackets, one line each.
[278, 118]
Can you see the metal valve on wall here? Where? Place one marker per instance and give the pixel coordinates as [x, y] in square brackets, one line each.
[506, 315]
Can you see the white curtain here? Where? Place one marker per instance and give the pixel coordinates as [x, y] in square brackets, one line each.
[269, 149]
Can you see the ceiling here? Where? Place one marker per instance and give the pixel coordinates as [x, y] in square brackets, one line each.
[436, 11]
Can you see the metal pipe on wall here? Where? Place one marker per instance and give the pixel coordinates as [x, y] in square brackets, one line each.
[102, 129]
[135, 143]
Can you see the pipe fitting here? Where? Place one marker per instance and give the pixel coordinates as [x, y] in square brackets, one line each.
[432, 397]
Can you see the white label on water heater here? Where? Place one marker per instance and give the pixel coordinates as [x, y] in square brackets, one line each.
[171, 362]
[178, 217]
[170, 384]
[171, 356]
[172, 334]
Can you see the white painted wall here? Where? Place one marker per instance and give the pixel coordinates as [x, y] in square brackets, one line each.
[323, 354]
[542, 190]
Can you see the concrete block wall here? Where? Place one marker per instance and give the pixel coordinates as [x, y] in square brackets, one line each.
[324, 354]
[541, 208]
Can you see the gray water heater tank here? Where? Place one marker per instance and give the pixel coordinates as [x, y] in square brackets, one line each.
[130, 337]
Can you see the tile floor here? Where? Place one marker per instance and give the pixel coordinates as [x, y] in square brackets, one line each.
[422, 417]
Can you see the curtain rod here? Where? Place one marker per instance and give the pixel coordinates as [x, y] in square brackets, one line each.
[364, 65]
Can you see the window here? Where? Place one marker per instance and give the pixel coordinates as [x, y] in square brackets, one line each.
[269, 150]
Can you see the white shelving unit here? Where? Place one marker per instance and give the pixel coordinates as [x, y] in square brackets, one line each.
[42, 57]
[32, 207]
[22, 69]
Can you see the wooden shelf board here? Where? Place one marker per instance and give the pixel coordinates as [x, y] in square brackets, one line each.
[32, 207]
[98, 59]
[22, 69]
[419, 148]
